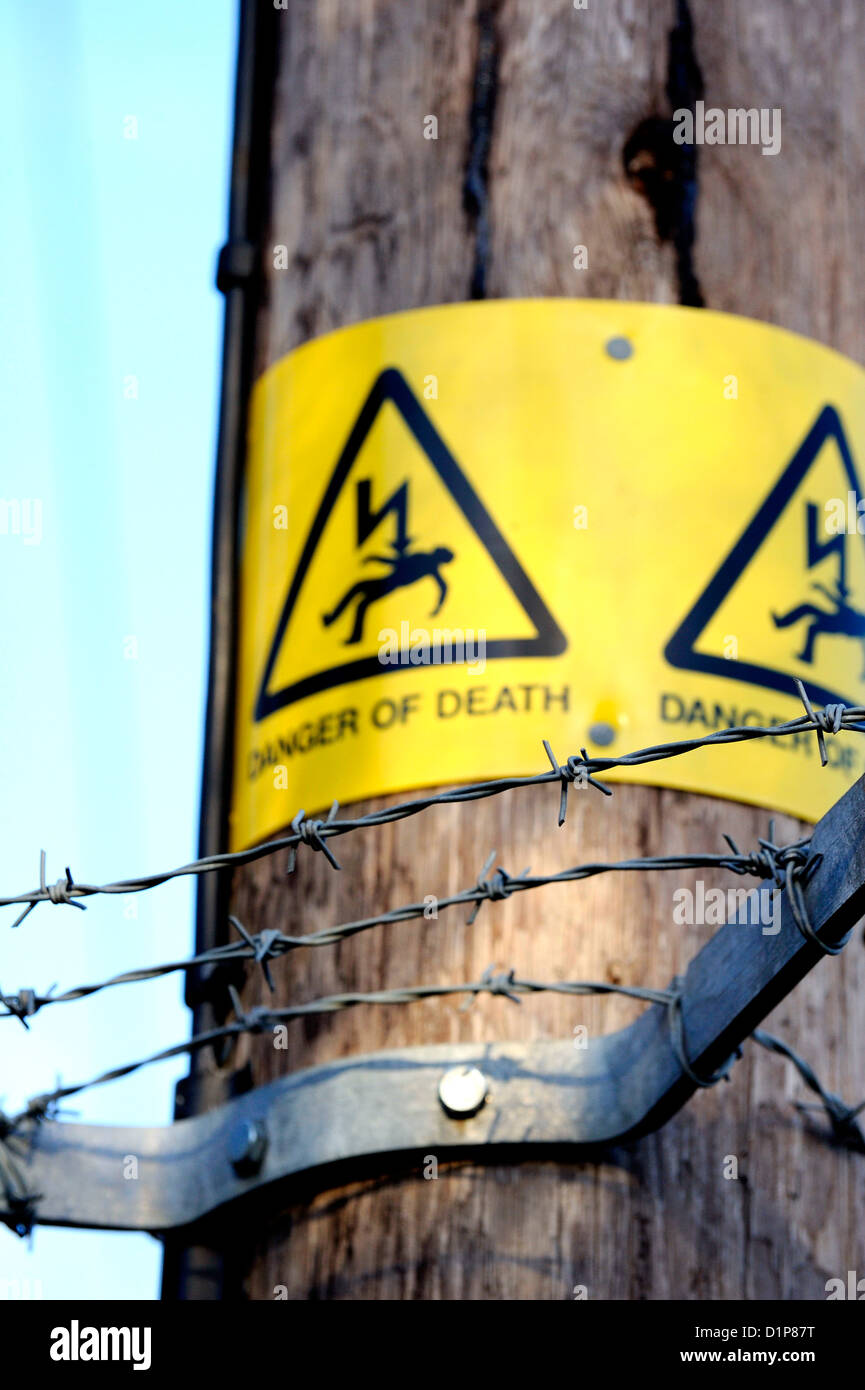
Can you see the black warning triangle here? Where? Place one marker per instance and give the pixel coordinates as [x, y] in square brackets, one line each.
[549, 640]
[681, 650]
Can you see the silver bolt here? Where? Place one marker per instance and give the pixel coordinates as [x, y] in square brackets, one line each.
[462, 1092]
[603, 734]
[247, 1144]
[620, 348]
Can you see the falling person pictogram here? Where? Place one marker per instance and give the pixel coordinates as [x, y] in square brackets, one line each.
[844, 621]
[406, 567]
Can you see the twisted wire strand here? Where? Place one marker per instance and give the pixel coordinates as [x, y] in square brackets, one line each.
[841, 1116]
[505, 983]
[259, 1018]
[270, 944]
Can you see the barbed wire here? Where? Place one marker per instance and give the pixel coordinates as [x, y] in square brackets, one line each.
[788, 867]
[797, 867]
[315, 833]
[768, 862]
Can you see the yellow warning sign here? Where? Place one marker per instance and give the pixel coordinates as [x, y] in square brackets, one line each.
[471, 528]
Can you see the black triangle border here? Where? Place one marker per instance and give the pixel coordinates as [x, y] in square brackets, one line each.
[550, 640]
[679, 650]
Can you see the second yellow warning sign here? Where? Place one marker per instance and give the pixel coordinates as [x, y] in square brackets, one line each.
[471, 528]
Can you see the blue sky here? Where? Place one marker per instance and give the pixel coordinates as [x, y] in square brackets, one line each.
[112, 332]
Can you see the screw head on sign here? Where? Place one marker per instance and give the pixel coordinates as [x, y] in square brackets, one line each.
[603, 734]
[620, 348]
[462, 1092]
[246, 1148]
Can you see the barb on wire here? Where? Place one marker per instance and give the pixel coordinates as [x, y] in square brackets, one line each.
[262, 946]
[827, 721]
[60, 892]
[574, 770]
[316, 833]
[309, 832]
[494, 889]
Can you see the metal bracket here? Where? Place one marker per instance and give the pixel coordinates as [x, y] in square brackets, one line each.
[383, 1111]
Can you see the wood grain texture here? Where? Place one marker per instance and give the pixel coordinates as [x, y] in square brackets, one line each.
[373, 218]
[574, 85]
[781, 236]
[369, 211]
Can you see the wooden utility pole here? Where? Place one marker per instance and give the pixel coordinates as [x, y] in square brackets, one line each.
[554, 128]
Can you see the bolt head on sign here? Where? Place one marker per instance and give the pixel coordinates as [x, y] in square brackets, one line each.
[472, 528]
